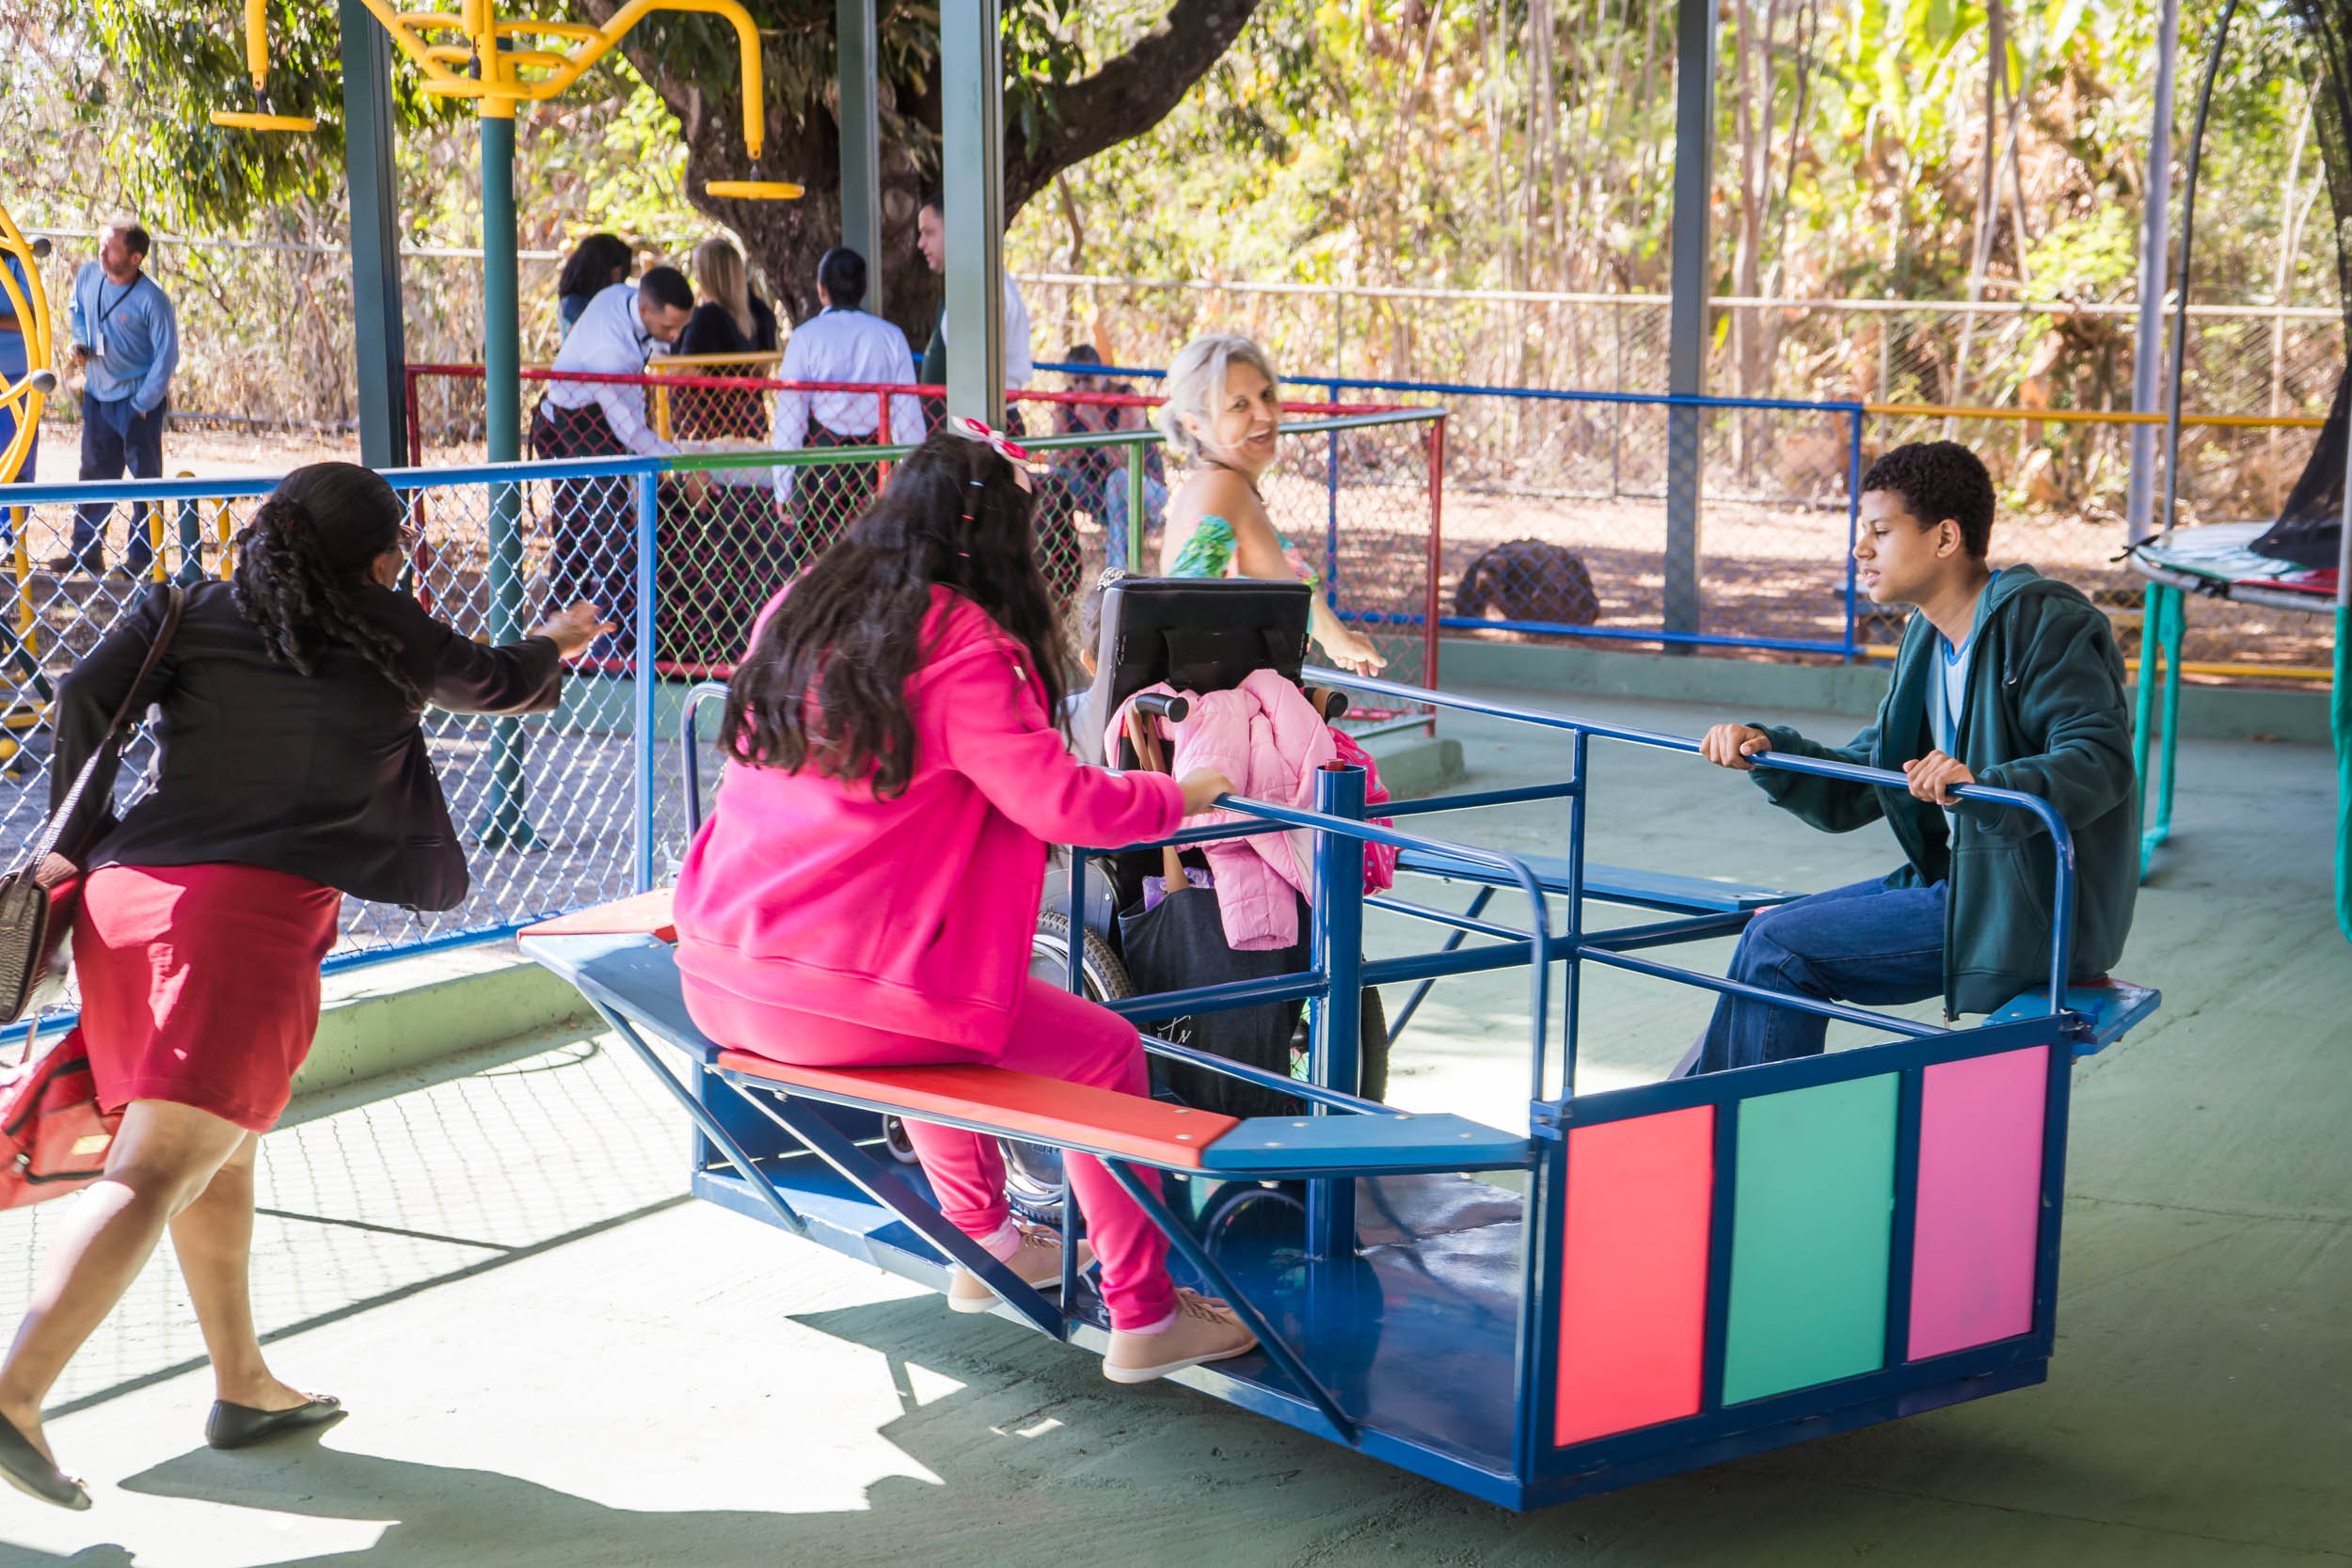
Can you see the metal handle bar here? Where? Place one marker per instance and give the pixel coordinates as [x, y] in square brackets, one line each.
[690, 752]
[2061, 837]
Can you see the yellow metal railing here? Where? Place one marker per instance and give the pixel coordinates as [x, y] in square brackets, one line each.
[750, 366]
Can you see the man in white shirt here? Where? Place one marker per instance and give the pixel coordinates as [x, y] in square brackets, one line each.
[594, 526]
[841, 343]
[930, 237]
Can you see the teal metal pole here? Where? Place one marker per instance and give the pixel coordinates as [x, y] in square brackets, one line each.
[1137, 453]
[2340, 722]
[505, 826]
[373, 188]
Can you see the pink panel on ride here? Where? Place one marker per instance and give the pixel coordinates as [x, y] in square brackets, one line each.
[1979, 1217]
[1633, 1271]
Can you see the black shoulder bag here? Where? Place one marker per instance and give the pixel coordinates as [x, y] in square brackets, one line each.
[38, 897]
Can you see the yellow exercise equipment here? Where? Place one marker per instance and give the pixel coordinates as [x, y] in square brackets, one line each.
[23, 399]
[499, 62]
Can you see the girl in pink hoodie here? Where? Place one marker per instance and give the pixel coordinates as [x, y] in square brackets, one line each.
[866, 892]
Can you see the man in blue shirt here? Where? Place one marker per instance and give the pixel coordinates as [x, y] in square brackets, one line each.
[127, 342]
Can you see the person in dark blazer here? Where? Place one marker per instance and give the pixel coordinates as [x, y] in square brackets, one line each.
[292, 771]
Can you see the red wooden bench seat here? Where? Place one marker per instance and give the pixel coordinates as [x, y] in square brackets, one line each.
[1045, 1109]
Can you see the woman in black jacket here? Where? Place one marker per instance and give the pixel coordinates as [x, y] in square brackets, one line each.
[292, 770]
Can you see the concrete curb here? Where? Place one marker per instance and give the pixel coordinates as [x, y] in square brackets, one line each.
[395, 1016]
[1414, 765]
[1747, 688]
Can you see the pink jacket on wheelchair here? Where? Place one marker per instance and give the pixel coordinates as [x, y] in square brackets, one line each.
[913, 914]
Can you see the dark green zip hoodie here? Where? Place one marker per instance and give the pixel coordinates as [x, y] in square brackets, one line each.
[2045, 716]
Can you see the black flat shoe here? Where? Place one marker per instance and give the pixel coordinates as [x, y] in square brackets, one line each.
[232, 1426]
[24, 1467]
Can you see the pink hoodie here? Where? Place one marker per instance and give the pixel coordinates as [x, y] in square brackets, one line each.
[1265, 736]
[913, 914]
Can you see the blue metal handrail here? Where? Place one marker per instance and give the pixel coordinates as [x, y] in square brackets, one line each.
[2061, 837]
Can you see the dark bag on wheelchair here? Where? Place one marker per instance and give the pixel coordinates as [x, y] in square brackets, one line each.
[1179, 944]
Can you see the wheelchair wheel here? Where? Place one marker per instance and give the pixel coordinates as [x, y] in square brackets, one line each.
[1033, 1173]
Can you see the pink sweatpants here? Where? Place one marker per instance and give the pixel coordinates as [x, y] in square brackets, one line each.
[1054, 1035]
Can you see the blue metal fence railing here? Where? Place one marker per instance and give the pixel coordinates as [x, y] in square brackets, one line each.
[568, 774]
[575, 807]
[1559, 522]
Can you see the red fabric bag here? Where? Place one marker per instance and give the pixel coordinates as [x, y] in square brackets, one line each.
[52, 1137]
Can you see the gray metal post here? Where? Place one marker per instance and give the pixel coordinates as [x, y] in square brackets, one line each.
[374, 187]
[2148, 343]
[861, 140]
[1686, 351]
[972, 123]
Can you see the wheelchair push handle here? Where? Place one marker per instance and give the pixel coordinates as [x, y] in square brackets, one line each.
[1163, 704]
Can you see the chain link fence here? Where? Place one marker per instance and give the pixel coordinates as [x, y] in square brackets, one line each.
[585, 804]
[546, 803]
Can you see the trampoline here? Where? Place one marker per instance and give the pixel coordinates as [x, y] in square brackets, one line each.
[2217, 561]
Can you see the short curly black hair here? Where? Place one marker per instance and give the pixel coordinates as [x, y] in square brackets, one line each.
[1938, 480]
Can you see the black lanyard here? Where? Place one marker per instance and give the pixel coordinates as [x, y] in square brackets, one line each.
[106, 310]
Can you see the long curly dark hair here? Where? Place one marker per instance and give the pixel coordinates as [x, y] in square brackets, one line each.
[824, 684]
[304, 556]
[589, 269]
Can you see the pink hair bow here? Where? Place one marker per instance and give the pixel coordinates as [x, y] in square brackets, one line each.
[978, 430]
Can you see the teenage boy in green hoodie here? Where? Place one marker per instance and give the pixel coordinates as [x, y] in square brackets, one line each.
[2004, 678]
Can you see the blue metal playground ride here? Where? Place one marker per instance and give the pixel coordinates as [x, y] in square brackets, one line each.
[1635, 1282]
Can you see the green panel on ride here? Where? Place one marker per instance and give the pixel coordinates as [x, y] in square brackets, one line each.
[1811, 1229]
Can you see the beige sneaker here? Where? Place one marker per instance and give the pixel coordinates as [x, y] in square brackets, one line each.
[1039, 1262]
[1205, 1329]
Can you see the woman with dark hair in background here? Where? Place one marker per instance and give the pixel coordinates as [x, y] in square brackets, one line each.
[864, 893]
[291, 771]
[594, 265]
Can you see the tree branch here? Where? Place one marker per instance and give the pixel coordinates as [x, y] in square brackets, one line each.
[1128, 96]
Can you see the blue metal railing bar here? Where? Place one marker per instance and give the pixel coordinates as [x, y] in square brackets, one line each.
[1863, 1016]
[1480, 798]
[1466, 389]
[2061, 838]
[1466, 924]
[1613, 634]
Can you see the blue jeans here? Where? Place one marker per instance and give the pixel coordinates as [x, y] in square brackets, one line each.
[1866, 943]
[115, 435]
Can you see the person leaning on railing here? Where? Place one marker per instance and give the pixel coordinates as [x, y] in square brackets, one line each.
[1224, 411]
[291, 771]
[594, 526]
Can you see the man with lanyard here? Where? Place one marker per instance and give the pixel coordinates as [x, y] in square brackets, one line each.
[595, 523]
[127, 342]
[930, 237]
[841, 343]
[2006, 679]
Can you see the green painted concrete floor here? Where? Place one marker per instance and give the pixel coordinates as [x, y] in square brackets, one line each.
[553, 1358]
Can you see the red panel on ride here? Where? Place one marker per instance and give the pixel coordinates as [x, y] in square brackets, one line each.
[1979, 1231]
[647, 913]
[1047, 1110]
[1633, 1271]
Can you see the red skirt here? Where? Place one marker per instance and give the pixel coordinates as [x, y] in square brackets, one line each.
[200, 984]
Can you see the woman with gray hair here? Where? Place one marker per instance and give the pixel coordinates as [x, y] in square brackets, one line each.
[1224, 409]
